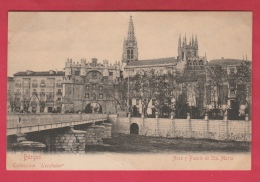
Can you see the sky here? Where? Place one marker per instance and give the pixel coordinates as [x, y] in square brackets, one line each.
[42, 41]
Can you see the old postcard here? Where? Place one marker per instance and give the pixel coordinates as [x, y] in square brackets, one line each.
[129, 91]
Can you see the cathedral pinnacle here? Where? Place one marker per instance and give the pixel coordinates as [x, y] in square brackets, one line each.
[196, 41]
[192, 40]
[131, 33]
[179, 44]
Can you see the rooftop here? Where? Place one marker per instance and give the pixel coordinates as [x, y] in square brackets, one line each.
[10, 78]
[39, 73]
[158, 61]
[225, 62]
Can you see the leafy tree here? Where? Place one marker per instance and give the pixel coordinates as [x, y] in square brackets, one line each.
[217, 78]
[182, 106]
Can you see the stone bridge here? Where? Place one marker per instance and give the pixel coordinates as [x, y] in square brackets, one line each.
[67, 133]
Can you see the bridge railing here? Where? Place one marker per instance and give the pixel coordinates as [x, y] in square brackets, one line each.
[15, 120]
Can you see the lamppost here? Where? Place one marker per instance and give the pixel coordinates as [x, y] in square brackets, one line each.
[128, 96]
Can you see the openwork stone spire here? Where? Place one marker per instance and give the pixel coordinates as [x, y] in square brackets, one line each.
[131, 31]
[130, 49]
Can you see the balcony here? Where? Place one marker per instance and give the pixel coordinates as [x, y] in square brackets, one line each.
[58, 85]
[42, 85]
[18, 93]
[42, 94]
[34, 85]
[50, 84]
[58, 93]
[18, 85]
[94, 80]
[34, 93]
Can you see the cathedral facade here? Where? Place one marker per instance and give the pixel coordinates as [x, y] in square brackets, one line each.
[187, 61]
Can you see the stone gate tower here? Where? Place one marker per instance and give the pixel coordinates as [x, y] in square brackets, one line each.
[130, 49]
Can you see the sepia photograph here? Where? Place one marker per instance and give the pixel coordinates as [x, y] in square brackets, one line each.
[157, 90]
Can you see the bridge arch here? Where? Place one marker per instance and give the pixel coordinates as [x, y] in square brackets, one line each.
[134, 129]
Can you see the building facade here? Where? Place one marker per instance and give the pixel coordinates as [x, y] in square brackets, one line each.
[233, 93]
[10, 94]
[88, 87]
[37, 92]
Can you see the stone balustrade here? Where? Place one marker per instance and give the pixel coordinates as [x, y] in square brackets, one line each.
[39, 122]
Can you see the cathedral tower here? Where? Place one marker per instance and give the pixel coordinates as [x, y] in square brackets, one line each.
[130, 50]
[187, 51]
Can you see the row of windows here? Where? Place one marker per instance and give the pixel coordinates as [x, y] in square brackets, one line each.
[93, 96]
[94, 85]
[94, 73]
[35, 83]
[195, 62]
[26, 91]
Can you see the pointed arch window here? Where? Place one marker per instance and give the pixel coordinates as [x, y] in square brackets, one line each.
[130, 54]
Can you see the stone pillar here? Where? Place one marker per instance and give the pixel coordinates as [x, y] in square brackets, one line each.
[172, 115]
[206, 117]
[107, 130]
[24, 145]
[156, 115]
[225, 116]
[247, 117]
[190, 127]
[207, 128]
[227, 130]
[173, 124]
[71, 141]
[94, 135]
[157, 121]
[188, 116]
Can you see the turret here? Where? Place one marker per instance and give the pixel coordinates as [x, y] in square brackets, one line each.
[105, 70]
[83, 67]
[68, 67]
[117, 69]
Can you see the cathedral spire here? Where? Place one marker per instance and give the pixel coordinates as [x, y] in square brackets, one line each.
[192, 42]
[196, 40]
[130, 49]
[131, 31]
[179, 43]
[185, 41]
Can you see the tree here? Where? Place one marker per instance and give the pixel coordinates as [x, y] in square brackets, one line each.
[216, 79]
[182, 106]
[236, 78]
[118, 93]
[149, 85]
[243, 78]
